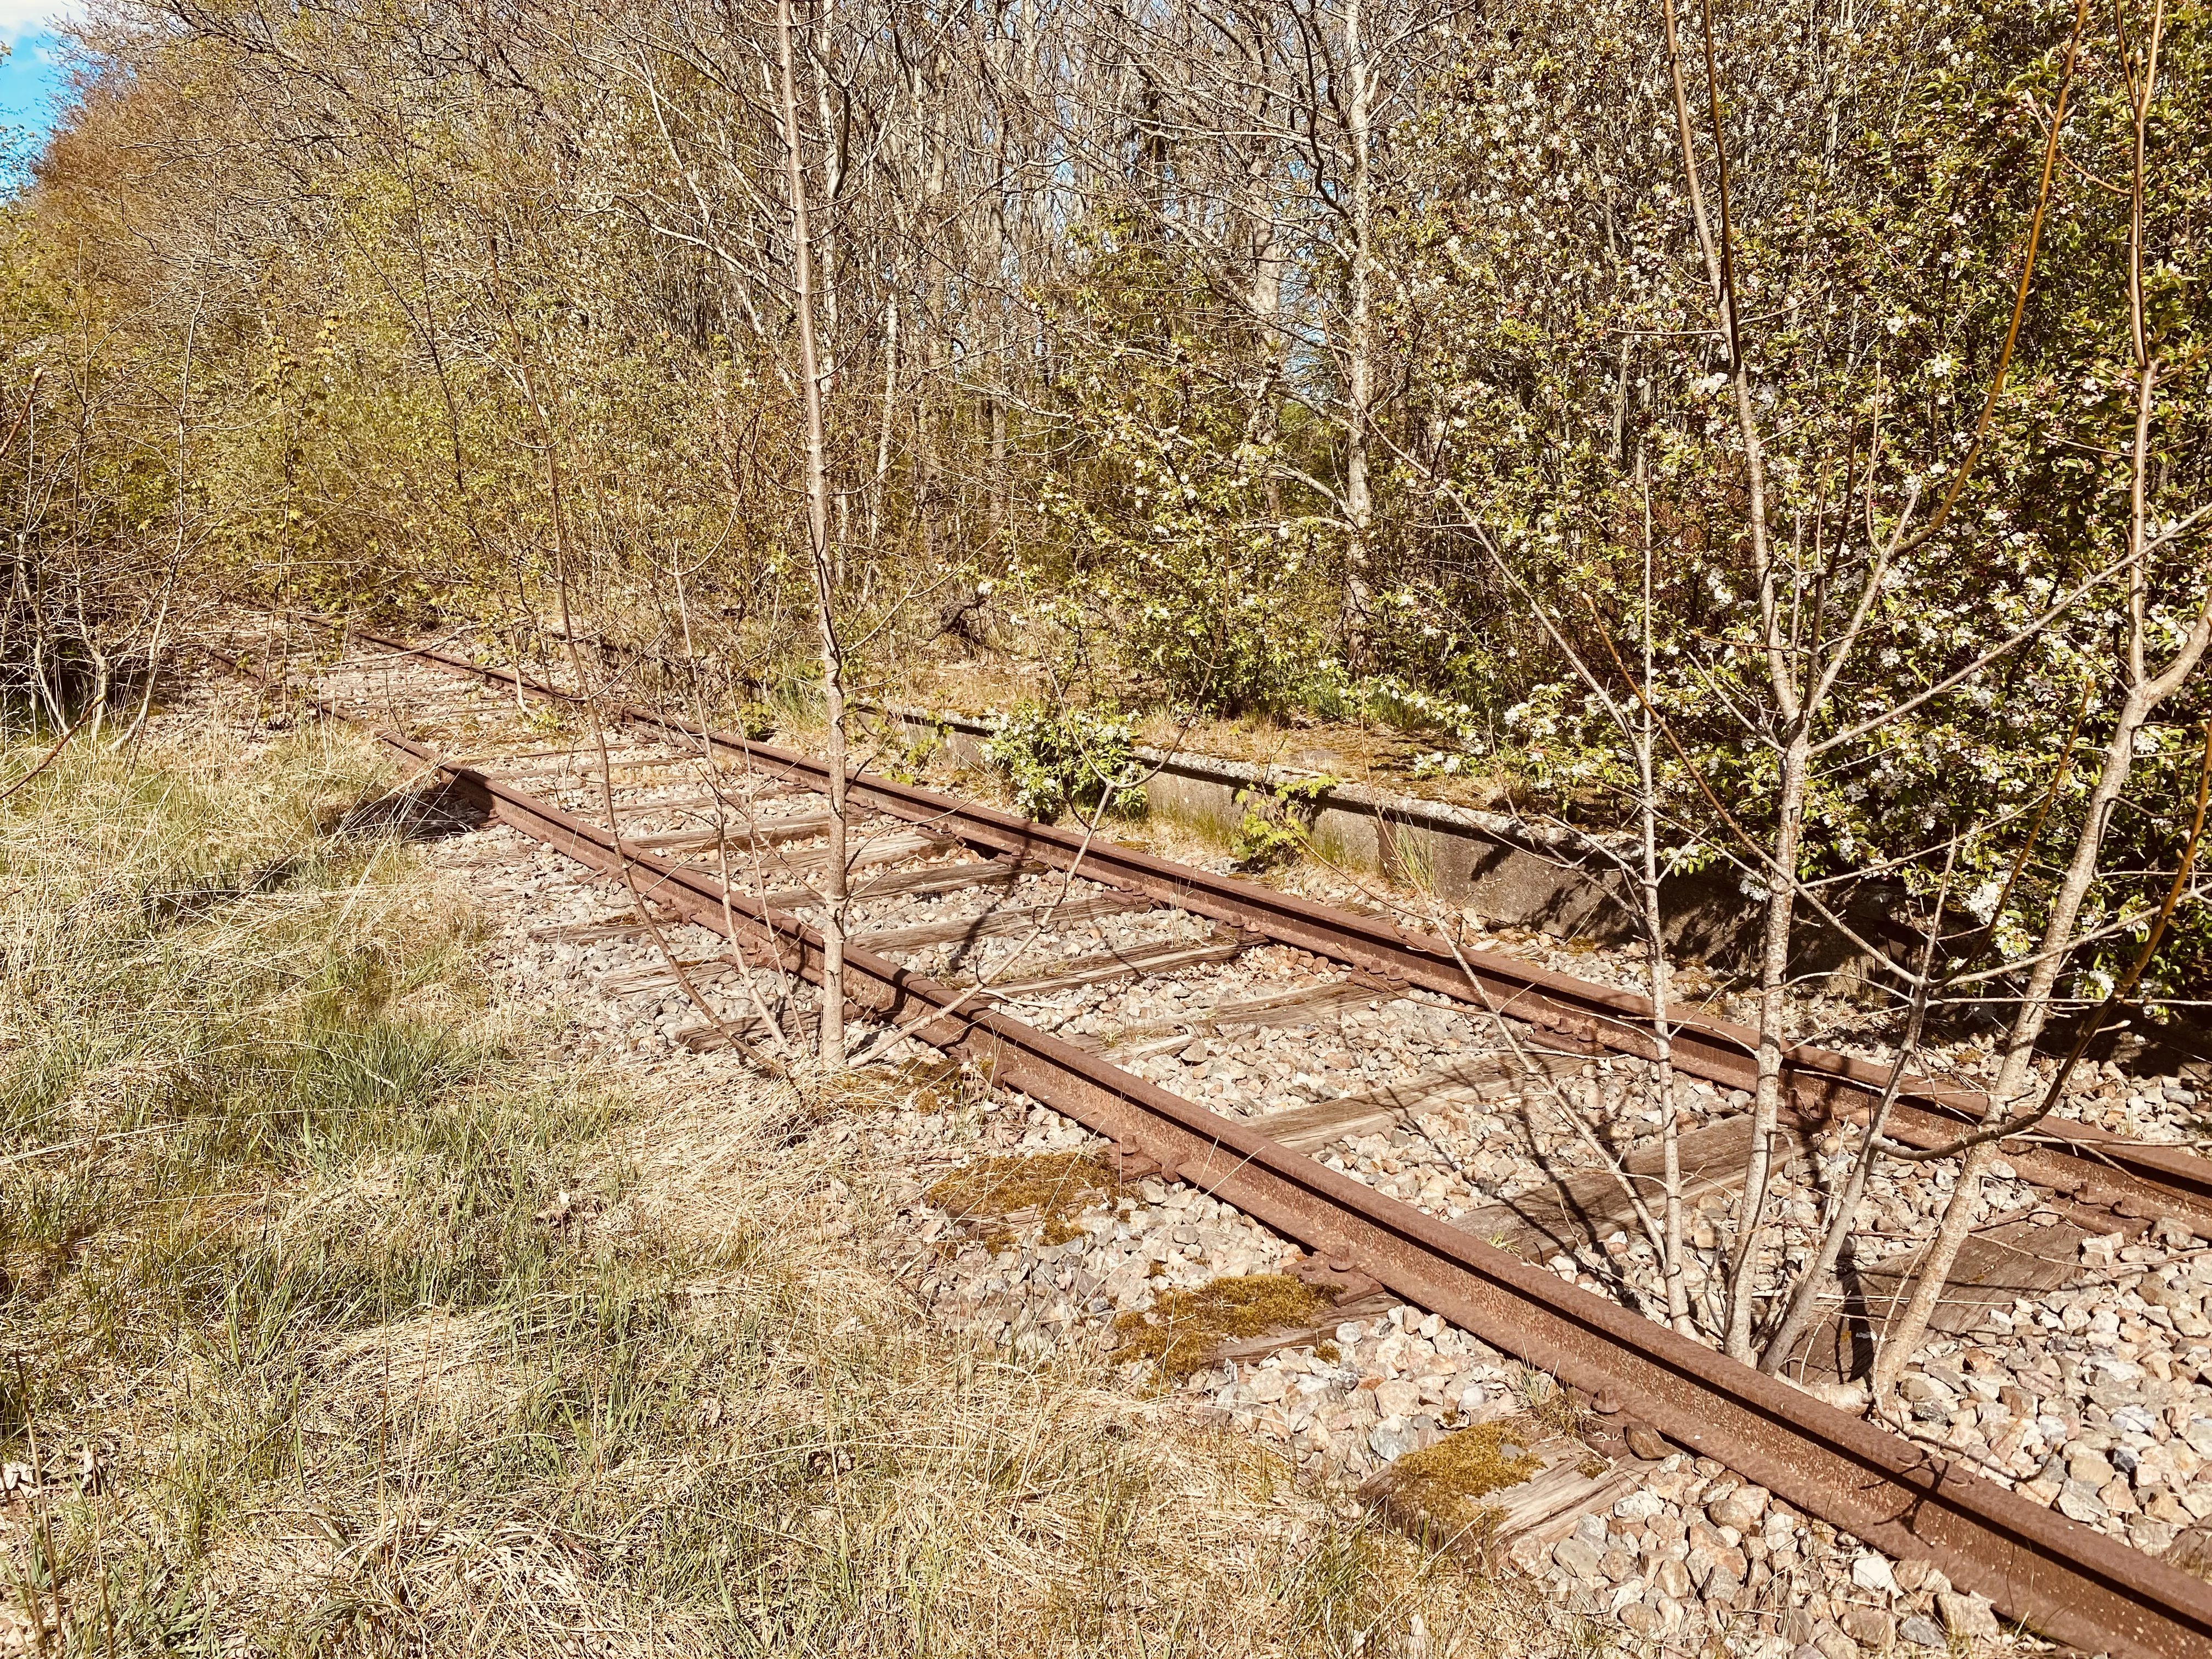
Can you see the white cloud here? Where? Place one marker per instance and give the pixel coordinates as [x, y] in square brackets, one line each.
[22, 18]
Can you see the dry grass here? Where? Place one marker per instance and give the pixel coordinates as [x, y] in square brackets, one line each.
[387, 1328]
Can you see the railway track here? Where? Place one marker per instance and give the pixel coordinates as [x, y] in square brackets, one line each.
[1086, 976]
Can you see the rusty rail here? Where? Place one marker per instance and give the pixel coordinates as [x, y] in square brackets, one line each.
[2074, 1585]
[2079, 1159]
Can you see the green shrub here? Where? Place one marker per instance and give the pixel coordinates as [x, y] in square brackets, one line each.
[1056, 758]
[1278, 823]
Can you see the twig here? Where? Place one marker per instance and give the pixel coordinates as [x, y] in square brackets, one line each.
[82, 720]
[2095, 1023]
[1044, 921]
[78, 1146]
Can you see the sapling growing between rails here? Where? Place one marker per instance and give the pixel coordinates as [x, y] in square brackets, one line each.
[1884, 620]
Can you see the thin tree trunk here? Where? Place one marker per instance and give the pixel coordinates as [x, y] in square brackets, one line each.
[1782, 862]
[557, 513]
[1805, 1302]
[877, 505]
[2017, 1077]
[1655, 937]
[996, 489]
[1773, 1014]
[1359, 364]
[2146, 690]
[177, 553]
[820, 561]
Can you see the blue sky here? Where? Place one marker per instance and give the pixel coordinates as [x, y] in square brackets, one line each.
[29, 80]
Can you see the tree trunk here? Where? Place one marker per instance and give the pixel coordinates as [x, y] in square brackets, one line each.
[2016, 1078]
[2147, 690]
[1359, 360]
[1773, 1012]
[821, 562]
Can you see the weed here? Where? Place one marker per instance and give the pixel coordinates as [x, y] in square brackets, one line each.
[1056, 758]
[902, 758]
[1276, 826]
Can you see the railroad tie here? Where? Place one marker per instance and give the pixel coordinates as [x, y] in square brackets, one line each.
[2020, 1257]
[1583, 1207]
[1161, 958]
[921, 882]
[996, 923]
[1475, 1081]
[1309, 1005]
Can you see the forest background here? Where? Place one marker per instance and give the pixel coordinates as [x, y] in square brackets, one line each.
[1790, 420]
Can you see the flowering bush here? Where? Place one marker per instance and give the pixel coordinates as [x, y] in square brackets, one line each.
[1056, 758]
[1883, 169]
[1195, 564]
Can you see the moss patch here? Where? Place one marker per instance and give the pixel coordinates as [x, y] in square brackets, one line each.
[1057, 1186]
[1184, 1326]
[1447, 1481]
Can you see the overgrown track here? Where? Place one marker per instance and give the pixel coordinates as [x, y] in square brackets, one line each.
[2072, 1583]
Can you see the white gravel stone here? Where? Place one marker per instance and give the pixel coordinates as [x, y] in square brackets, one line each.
[1872, 1572]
